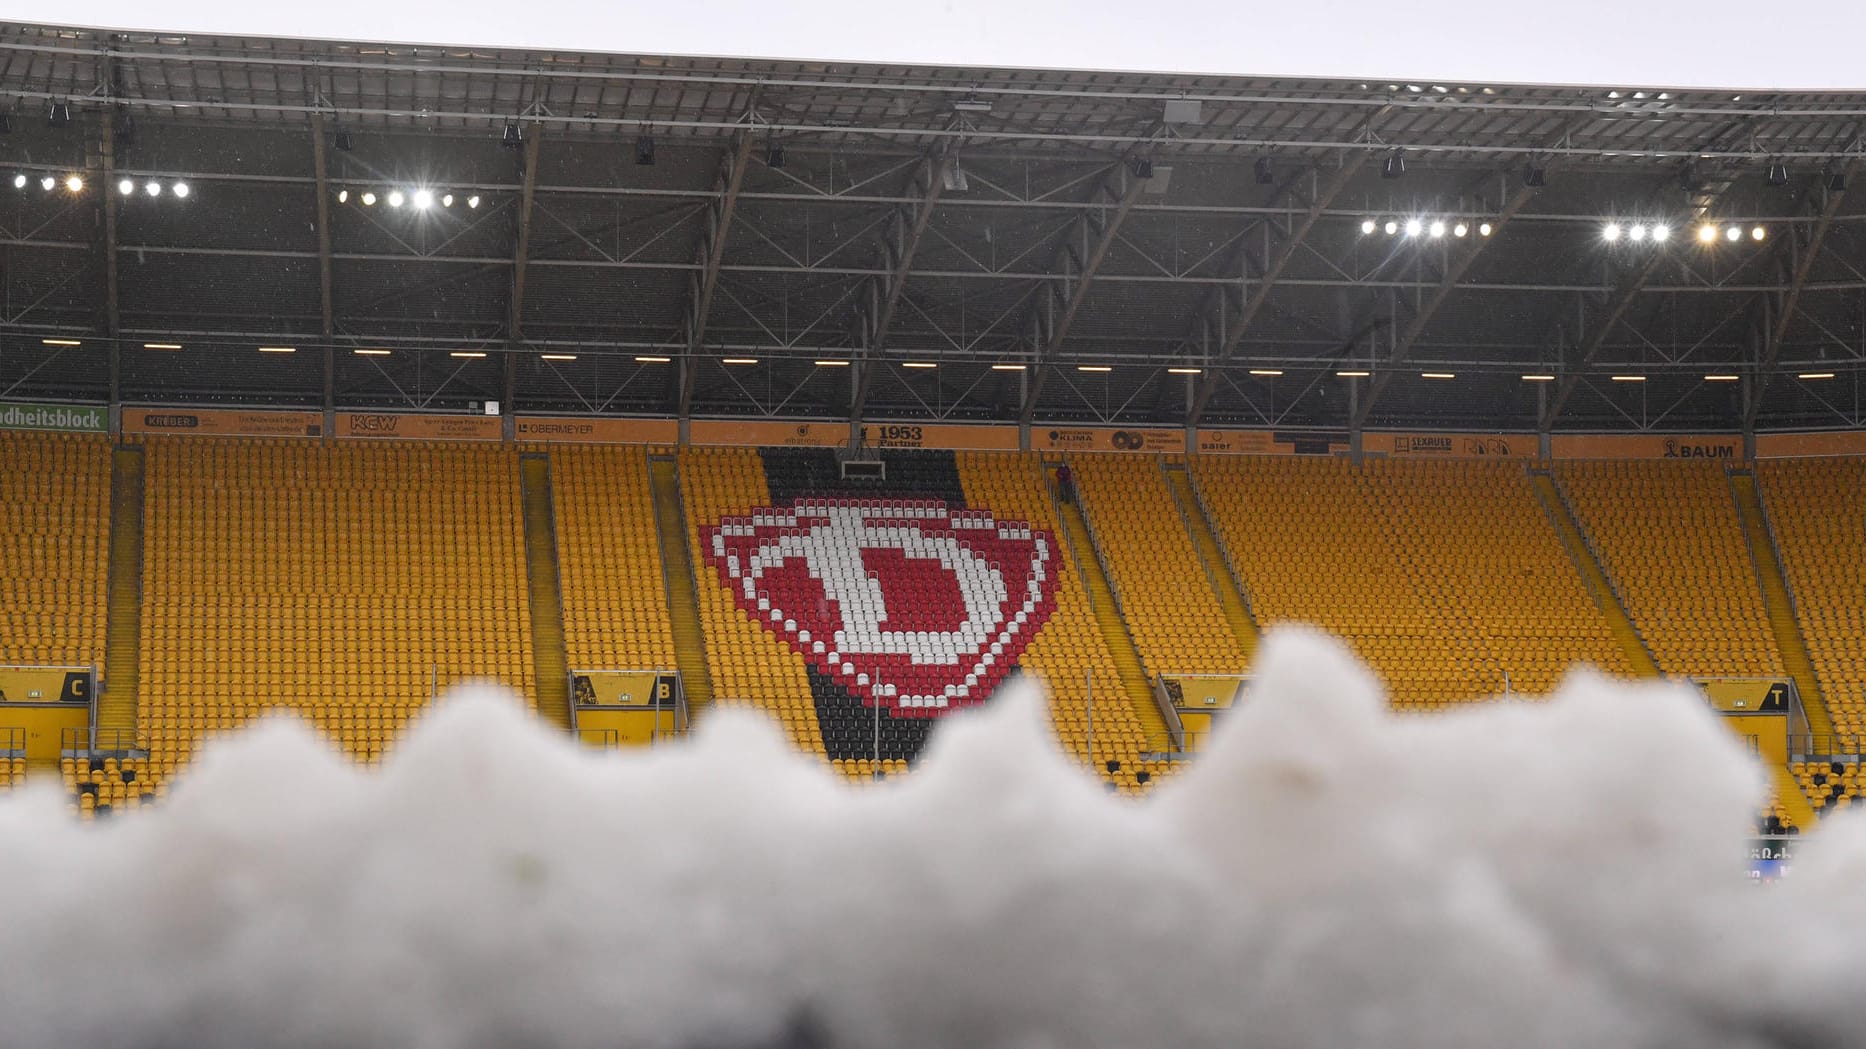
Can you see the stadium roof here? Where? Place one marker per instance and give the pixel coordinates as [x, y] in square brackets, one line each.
[962, 217]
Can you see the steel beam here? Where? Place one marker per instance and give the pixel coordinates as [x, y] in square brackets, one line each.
[1234, 327]
[900, 243]
[327, 317]
[1447, 284]
[1079, 258]
[1625, 294]
[521, 256]
[107, 195]
[1803, 254]
[708, 254]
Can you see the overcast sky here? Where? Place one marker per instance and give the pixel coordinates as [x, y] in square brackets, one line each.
[1741, 44]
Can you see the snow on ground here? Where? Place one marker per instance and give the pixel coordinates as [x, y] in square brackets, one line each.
[1562, 874]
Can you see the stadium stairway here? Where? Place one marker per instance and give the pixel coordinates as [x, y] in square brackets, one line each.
[549, 661]
[1134, 684]
[1211, 555]
[1776, 600]
[683, 605]
[1605, 597]
[116, 706]
[1789, 795]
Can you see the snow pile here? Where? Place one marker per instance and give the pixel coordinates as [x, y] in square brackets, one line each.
[1328, 876]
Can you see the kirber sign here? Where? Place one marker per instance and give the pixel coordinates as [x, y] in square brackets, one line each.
[906, 603]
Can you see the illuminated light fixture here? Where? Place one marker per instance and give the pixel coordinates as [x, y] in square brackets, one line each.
[971, 104]
[423, 199]
[1538, 377]
[1483, 229]
[161, 345]
[369, 200]
[1185, 371]
[19, 181]
[1460, 230]
[473, 201]
[154, 189]
[1391, 227]
[1007, 367]
[832, 364]
[1268, 372]
[126, 186]
[1628, 378]
[739, 360]
[1755, 234]
[918, 364]
[644, 151]
[180, 189]
[1722, 377]
[469, 354]
[1093, 368]
[62, 342]
[1437, 228]
[343, 196]
[1815, 375]
[1414, 227]
[1368, 226]
[59, 115]
[1637, 234]
[1352, 374]
[1707, 233]
[278, 349]
[510, 138]
[557, 356]
[396, 199]
[48, 183]
[1437, 375]
[1733, 234]
[1394, 166]
[1661, 233]
[370, 353]
[1611, 232]
[447, 200]
[653, 360]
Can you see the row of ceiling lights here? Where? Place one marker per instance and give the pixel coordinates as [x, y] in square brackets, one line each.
[421, 199]
[1424, 226]
[367, 351]
[126, 186]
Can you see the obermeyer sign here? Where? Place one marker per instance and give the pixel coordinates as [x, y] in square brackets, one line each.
[52, 417]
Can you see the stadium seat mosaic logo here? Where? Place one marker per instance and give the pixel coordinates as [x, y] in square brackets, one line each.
[904, 602]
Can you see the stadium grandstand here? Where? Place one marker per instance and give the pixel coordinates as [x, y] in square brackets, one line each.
[334, 374]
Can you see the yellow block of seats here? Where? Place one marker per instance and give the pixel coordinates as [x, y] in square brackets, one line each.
[1669, 537]
[1445, 576]
[344, 580]
[54, 542]
[1167, 602]
[609, 559]
[749, 666]
[1069, 649]
[1819, 523]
